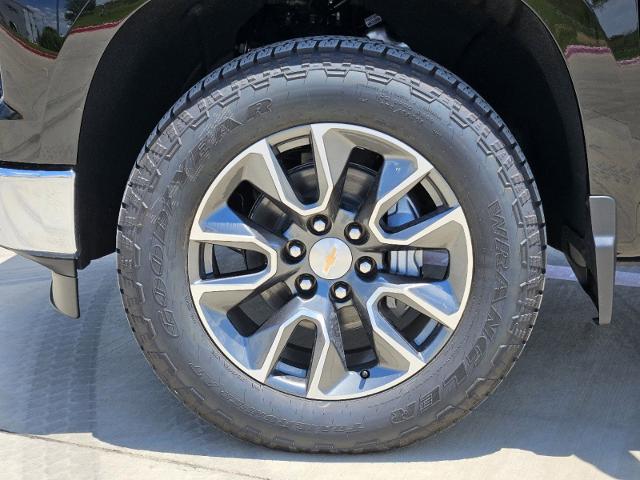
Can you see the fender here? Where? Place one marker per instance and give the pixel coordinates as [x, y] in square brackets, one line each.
[603, 58]
[51, 70]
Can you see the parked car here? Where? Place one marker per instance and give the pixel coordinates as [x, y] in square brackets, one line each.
[330, 216]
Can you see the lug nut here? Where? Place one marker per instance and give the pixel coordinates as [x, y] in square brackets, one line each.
[355, 233]
[340, 291]
[295, 250]
[366, 266]
[320, 225]
[306, 284]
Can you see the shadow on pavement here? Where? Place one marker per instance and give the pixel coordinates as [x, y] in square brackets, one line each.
[574, 392]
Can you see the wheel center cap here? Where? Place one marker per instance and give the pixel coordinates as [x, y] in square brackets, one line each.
[330, 258]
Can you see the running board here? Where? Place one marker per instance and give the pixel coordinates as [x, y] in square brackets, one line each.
[603, 227]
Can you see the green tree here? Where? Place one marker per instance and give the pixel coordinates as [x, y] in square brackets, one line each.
[50, 40]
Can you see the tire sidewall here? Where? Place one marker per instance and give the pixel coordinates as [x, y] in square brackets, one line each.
[237, 115]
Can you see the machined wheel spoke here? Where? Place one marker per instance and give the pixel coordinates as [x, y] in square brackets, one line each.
[259, 166]
[437, 299]
[393, 350]
[222, 294]
[434, 299]
[226, 228]
[441, 230]
[331, 151]
[265, 346]
[263, 170]
[396, 178]
[328, 364]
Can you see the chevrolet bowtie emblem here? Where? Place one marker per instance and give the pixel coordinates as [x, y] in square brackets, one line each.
[330, 260]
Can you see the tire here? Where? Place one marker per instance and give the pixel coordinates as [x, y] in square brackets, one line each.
[351, 81]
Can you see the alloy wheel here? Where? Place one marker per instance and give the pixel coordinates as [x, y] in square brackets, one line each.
[330, 261]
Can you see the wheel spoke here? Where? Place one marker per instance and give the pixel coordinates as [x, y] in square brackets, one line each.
[447, 229]
[396, 178]
[328, 365]
[222, 294]
[226, 228]
[434, 299]
[437, 300]
[393, 350]
[259, 166]
[263, 170]
[439, 230]
[331, 152]
[265, 346]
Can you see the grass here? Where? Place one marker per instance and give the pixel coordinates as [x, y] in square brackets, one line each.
[110, 12]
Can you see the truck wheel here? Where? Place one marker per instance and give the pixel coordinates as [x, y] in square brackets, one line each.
[331, 245]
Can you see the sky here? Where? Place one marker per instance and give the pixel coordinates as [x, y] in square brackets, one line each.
[617, 16]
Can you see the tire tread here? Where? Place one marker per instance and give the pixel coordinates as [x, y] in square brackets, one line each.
[517, 178]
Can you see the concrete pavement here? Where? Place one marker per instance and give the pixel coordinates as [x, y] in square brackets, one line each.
[77, 399]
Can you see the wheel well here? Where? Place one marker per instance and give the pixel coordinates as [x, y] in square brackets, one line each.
[501, 48]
